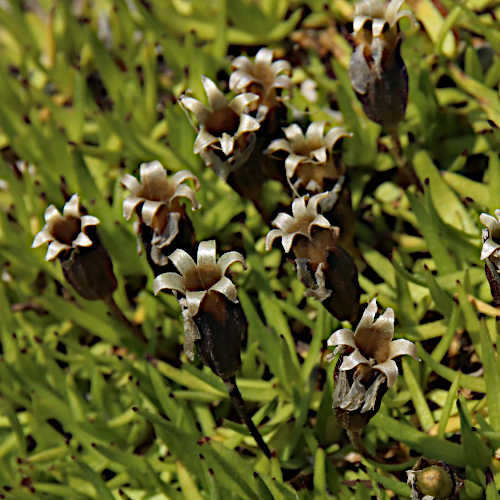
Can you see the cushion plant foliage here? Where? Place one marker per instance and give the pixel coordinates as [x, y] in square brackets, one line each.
[98, 398]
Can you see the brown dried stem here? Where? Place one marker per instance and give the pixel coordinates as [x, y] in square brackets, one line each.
[239, 406]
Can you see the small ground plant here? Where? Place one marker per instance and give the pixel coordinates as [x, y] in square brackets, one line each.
[249, 249]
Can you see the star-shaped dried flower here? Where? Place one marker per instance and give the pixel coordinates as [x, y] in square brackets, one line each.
[302, 223]
[226, 135]
[367, 360]
[73, 238]
[156, 200]
[155, 195]
[373, 345]
[67, 231]
[212, 316]
[310, 156]
[262, 77]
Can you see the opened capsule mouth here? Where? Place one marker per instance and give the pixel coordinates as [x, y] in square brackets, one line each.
[66, 230]
[202, 279]
[368, 25]
[224, 120]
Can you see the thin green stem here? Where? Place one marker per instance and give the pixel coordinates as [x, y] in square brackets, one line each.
[357, 442]
[406, 173]
[118, 314]
[397, 149]
[239, 406]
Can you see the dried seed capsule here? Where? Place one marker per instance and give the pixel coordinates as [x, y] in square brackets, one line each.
[163, 224]
[328, 272]
[73, 238]
[376, 70]
[267, 80]
[213, 318]
[366, 367]
[431, 479]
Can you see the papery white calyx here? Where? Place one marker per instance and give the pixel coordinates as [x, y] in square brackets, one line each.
[305, 217]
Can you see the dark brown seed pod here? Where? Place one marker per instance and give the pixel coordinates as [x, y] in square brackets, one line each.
[221, 324]
[90, 270]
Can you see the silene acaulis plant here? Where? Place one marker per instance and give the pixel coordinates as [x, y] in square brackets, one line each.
[366, 366]
[73, 239]
[376, 70]
[327, 271]
[163, 224]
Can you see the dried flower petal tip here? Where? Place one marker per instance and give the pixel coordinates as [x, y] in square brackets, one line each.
[376, 70]
[366, 362]
[73, 238]
[490, 252]
[310, 156]
[263, 77]
[213, 318]
[67, 231]
[226, 135]
[433, 480]
[304, 220]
